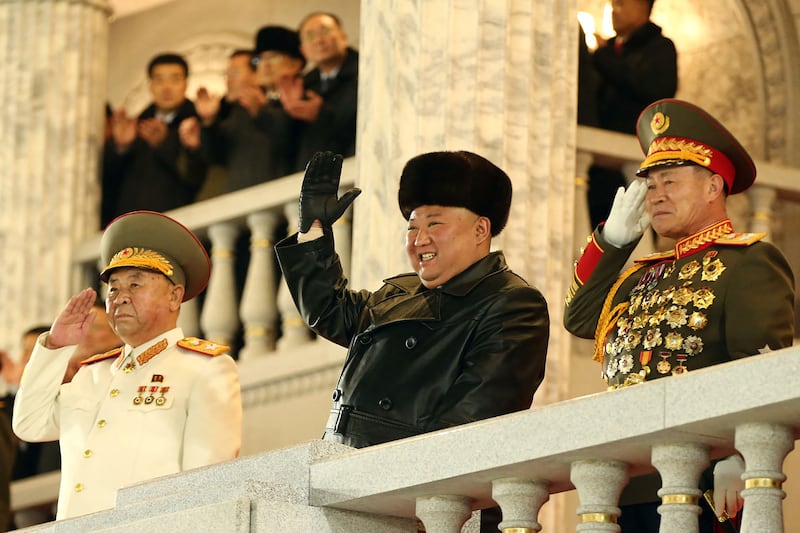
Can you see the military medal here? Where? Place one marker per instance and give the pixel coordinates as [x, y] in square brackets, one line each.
[673, 340]
[693, 345]
[150, 398]
[138, 400]
[676, 316]
[712, 270]
[658, 316]
[625, 363]
[663, 366]
[669, 270]
[688, 270]
[652, 338]
[682, 296]
[649, 300]
[697, 321]
[161, 400]
[703, 298]
[644, 359]
[680, 369]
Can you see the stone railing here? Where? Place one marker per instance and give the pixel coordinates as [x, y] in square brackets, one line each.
[593, 443]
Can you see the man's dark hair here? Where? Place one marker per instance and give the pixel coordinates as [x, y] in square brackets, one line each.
[318, 13]
[167, 59]
[242, 52]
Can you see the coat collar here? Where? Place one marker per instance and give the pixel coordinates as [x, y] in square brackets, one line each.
[461, 284]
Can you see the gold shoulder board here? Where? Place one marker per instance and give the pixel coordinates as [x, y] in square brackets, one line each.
[212, 349]
[740, 239]
[102, 356]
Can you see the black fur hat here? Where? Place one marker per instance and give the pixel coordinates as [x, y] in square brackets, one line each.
[278, 39]
[456, 179]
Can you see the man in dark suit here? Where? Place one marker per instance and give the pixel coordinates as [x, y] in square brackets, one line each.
[327, 99]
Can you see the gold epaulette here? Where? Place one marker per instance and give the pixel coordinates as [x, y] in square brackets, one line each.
[211, 349]
[102, 356]
[656, 256]
[740, 239]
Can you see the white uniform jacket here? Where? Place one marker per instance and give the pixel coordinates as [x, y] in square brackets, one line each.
[150, 411]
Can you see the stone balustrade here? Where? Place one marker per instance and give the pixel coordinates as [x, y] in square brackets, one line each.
[593, 443]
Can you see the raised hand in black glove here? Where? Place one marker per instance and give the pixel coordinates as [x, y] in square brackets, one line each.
[318, 200]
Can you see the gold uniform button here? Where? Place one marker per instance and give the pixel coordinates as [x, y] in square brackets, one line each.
[78, 487]
[114, 393]
[87, 453]
[101, 423]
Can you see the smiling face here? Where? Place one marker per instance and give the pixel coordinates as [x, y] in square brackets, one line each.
[141, 304]
[442, 242]
[683, 200]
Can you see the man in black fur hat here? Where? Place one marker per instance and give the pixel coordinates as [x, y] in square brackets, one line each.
[460, 339]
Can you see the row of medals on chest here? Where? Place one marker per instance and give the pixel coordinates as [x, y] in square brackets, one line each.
[152, 389]
[649, 309]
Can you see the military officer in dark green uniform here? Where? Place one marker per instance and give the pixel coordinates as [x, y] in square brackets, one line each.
[718, 295]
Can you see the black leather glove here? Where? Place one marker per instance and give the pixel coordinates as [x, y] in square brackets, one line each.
[318, 200]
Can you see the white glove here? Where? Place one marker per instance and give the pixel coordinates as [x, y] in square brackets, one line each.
[628, 218]
[727, 486]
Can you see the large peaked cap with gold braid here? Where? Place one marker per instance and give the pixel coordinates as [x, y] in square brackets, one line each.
[154, 241]
[673, 132]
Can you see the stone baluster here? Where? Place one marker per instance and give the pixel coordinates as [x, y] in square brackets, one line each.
[443, 514]
[599, 484]
[259, 305]
[583, 226]
[680, 466]
[219, 318]
[762, 199]
[520, 501]
[294, 331]
[764, 447]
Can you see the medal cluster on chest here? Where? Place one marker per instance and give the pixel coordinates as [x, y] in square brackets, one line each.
[663, 325]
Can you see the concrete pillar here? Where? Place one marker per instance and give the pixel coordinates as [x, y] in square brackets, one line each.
[53, 57]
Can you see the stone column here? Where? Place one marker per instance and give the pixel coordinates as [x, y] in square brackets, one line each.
[680, 466]
[495, 78]
[764, 447]
[599, 484]
[52, 85]
[443, 514]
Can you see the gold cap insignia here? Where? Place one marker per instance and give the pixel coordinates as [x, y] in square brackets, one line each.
[659, 123]
[141, 258]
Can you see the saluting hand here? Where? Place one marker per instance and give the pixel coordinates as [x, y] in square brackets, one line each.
[628, 218]
[74, 322]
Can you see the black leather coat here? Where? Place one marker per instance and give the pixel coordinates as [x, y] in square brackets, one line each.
[421, 360]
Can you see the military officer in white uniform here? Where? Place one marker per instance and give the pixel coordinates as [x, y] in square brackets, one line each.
[158, 405]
